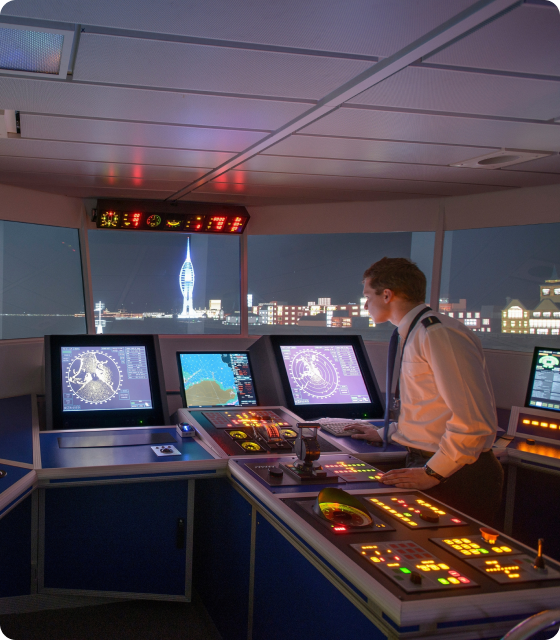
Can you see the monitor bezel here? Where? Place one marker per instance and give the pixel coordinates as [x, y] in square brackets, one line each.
[373, 410]
[214, 352]
[57, 419]
[532, 379]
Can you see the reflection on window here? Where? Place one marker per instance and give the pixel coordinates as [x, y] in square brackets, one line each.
[165, 283]
[309, 284]
[41, 289]
[508, 275]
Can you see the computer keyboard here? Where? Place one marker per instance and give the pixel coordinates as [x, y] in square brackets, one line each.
[337, 429]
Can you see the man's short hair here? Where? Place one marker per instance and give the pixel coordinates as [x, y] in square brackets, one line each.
[399, 275]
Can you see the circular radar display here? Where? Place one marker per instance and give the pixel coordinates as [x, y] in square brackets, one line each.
[314, 374]
[94, 377]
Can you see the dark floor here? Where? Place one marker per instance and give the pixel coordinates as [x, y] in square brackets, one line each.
[132, 620]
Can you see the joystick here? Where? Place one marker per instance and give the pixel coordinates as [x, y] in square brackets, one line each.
[429, 516]
[540, 564]
[415, 578]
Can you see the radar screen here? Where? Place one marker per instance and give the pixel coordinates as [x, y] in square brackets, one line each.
[326, 374]
[216, 379]
[544, 382]
[411, 567]
[517, 568]
[415, 512]
[107, 378]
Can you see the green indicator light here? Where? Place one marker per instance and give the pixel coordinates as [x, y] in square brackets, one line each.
[408, 514]
[443, 581]
[483, 550]
[371, 477]
[141, 422]
[405, 570]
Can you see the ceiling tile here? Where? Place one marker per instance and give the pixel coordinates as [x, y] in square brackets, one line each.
[380, 150]
[443, 129]
[433, 173]
[110, 153]
[136, 134]
[152, 63]
[465, 92]
[145, 105]
[372, 27]
[524, 40]
[550, 164]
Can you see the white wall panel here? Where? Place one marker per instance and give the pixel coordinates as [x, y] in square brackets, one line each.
[445, 129]
[132, 61]
[463, 92]
[378, 150]
[110, 153]
[136, 134]
[373, 27]
[525, 40]
[146, 105]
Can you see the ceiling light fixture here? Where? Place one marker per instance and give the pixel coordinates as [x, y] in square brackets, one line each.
[35, 52]
[499, 159]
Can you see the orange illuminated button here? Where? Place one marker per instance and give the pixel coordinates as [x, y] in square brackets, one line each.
[489, 535]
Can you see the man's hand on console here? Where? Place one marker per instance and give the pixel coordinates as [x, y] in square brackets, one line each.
[365, 432]
[411, 478]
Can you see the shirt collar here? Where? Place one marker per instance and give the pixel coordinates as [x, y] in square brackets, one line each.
[405, 322]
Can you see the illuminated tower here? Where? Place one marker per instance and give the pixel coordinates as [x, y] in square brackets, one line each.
[186, 282]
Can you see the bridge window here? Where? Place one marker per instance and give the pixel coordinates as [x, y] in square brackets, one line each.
[165, 283]
[321, 275]
[41, 288]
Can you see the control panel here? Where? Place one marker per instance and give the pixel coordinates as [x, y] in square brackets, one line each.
[535, 431]
[413, 557]
[251, 432]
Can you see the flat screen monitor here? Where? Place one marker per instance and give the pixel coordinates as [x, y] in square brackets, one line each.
[324, 376]
[543, 391]
[216, 379]
[104, 382]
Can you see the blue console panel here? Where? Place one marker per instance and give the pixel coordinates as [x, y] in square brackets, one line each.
[53, 457]
[16, 435]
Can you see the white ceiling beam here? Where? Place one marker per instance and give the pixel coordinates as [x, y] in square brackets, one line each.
[472, 18]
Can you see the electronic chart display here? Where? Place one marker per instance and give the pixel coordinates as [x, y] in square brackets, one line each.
[324, 374]
[107, 378]
[544, 382]
[216, 379]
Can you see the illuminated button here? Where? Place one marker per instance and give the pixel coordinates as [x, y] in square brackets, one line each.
[374, 559]
[513, 575]
[506, 549]
[526, 422]
[554, 426]
[405, 570]
[454, 581]
[443, 581]
[535, 423]
[464, 580]
[443, 566]
[544, 424]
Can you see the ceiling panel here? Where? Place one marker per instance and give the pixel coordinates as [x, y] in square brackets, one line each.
[107, 169]
[442, 129]
[236, 181]
[136, 134]
[110, 153]
[465, 92]
[100, 192]
[145, 105]
[379, 150]
[372, 27]
[88, 181]
[402, 171]
[551, 164]
[325, 187]
[133, 61]
[524, 40]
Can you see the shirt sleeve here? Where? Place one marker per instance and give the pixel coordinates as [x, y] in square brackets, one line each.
[393, 426]
[461, 380]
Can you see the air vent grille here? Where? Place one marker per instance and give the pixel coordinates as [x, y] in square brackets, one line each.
[34, 51]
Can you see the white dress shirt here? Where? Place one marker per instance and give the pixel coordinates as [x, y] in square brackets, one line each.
[447, 403]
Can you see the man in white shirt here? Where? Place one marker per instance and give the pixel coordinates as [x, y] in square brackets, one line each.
[446, 416]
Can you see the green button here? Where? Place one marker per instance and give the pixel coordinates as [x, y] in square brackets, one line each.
[405, 570]
[443, 581]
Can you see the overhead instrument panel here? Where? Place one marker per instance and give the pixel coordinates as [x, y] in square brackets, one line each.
[191, 217]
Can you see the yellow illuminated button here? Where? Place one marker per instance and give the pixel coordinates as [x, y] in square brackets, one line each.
[535, 422]
[544, 424]
[554, 426]
[453, 580]
[526, 422]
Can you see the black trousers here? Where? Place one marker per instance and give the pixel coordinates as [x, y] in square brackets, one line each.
[476, 489]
